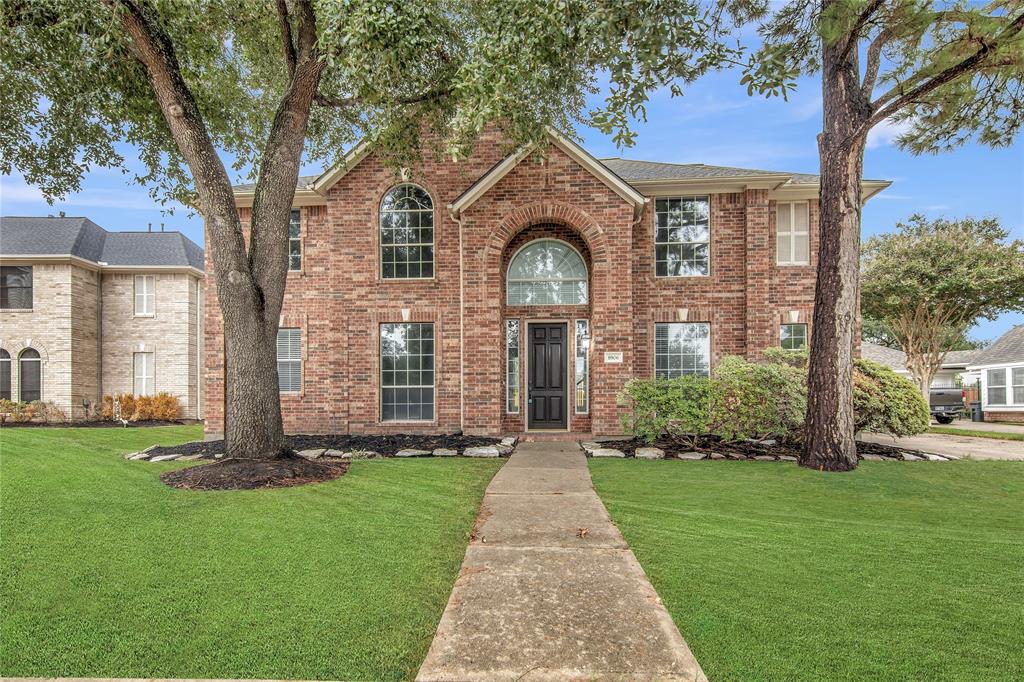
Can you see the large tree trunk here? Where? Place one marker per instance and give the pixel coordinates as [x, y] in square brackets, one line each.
[830, 443]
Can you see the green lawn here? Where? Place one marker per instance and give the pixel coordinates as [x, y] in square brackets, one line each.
[104, 571]
[977, 433]
[897, 571]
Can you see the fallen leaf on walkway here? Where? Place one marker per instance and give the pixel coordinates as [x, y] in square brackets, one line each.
[582, 532]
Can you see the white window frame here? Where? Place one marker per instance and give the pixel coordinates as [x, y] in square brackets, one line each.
[706, 198]
[519, 280]
[707, 325]
[418, 244]
[1016, 381]
[807, 335]
[433, 373]
[295, 241]
[292, 347]
[146, 294]
[581, 341]
[148, 374]
[989, 374]
[793, 233]
[513, 371]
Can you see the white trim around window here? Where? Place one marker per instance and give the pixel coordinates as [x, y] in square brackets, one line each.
[143, 374]
[792, 228]
[145, 295]
[289, 360]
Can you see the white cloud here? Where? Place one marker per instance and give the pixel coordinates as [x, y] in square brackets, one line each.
[886, 132]
[18, 193]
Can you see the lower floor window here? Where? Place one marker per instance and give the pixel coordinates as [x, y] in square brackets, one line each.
[512, 366]
[144, 374]
[1017, 379]
[682, 348]
[582, 366]
[997, 386]
[289, 360]
[5, 375]
[793, 336]
[407, 371]
[30, 376]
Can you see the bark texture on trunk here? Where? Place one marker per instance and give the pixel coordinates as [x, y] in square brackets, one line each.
[830, 443]
[250, 282]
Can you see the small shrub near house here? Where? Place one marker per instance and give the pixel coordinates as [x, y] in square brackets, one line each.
[744, 400]
[37, 411]
[159, 407]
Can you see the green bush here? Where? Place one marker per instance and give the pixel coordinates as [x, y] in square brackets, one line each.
[768, 399]
[677, 408]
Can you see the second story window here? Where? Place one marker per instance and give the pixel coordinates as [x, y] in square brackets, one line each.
[407, 233]
[792, 235]
[145, 295]
[15, 287]
[681, 237]
[295, 241]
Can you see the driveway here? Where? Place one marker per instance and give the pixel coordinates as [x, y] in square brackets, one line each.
[984, 426]
[957, 446]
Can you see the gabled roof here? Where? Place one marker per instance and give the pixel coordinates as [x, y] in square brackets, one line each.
[897, 359]
[1007, 348]
[37, 236]
[639, 171]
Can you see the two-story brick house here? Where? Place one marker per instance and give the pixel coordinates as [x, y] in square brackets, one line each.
[506, 293]
[85, 312]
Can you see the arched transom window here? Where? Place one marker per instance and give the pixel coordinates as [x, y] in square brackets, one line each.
[407, 233]
[547, 272]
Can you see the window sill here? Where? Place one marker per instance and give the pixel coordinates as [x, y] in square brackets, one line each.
[681, 276]
[793, 265]
[16, 310]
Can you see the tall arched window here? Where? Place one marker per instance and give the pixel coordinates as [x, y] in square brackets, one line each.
[547, 272]
[407, 233]
[30, 376]
[5, 375]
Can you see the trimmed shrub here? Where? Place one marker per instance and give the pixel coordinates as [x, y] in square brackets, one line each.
[127, 403]
[143, 408]
[15, 412]
[165, 407]
[757, 401]
[107, 408]
[677, 408]
[49, 412]
[885, 402]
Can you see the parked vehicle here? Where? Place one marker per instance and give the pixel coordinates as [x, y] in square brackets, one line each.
[946, 404]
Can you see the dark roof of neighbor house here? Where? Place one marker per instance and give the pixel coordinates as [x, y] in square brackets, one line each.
[1007, 348]
[81, 237]
[897, 359]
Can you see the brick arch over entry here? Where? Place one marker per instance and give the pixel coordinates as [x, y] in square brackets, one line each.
[538, 213]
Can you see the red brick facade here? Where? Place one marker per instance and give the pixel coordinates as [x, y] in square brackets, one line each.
[339, 299]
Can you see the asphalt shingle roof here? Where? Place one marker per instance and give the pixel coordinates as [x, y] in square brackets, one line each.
[883, 355]
[632, 171]
[1007, 348]
[39, 236]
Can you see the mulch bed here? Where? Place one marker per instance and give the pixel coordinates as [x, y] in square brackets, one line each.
[747, 449]
[250, 474]
[385, 445]
[105, 424]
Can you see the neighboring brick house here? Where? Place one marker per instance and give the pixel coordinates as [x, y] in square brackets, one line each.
[510, 293]
[85, 312]
[1000, 367]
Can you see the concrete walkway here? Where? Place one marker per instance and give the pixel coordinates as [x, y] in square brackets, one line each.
[549, 589]
[998, 427]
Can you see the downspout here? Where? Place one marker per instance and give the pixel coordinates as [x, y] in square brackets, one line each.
[462, 326]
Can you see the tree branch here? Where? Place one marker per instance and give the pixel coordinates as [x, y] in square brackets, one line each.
[345, 102]
[286, 37]
[853, 34]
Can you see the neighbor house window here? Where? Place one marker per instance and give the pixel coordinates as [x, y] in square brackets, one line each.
[1017, 380]
[683, 230]
[295, 241]
[289, 360]
[582, 366]
[407, 233]
[793, 336]
[30, 376]
[547, 272]
[997, 387]
[512, 366]
[407, 372]
[792, 234]
[5, 375]
[15, 287]
[144, 374]
[682, 348]
[145, 294]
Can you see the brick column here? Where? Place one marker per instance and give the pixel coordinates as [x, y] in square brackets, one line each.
[758, 262]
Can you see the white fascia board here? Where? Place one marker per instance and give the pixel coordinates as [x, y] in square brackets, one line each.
[996, 365]
[331, 176]
[303, 197]
[51, 259]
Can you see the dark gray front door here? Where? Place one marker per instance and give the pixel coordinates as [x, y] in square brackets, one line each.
[547, 395]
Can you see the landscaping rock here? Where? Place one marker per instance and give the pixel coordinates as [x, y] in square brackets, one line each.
[136, 456]
[788, 458]
[363, 454]
[504, 449]
[590, 445]
[189, 458]
[765, 458]
[949, 456]
[409, 452]
[218, 455]
[510, 440]
[690, 455]
[934, 458]
[151, 448]
[907, 457]
[339, 454]
[445, 452]
[649, 453]
[607, 452]
[483, 451]
[164, 458]
[877, 458]
[312, 453]
[716, 455]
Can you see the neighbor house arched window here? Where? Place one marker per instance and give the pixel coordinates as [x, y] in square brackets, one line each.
[407, 233]
[30, 376]
[547, 272]
[5, 375]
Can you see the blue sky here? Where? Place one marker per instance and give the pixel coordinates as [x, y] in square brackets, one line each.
[715, 123]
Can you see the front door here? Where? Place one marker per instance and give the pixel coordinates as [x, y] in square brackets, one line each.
[546, 387]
